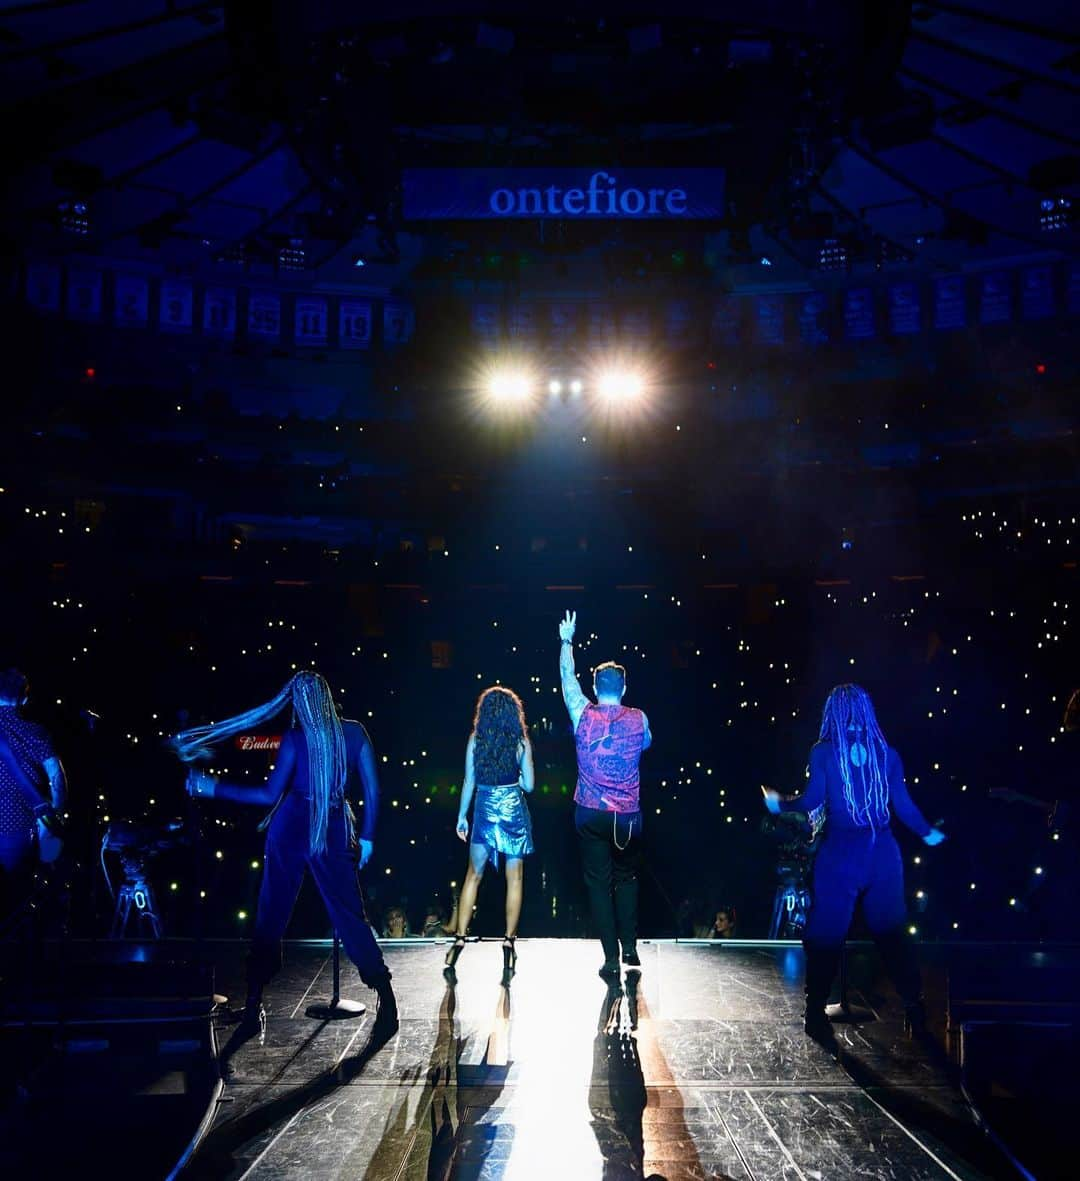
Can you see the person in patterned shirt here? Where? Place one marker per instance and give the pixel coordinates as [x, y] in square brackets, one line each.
[32, 747]
[610, 738]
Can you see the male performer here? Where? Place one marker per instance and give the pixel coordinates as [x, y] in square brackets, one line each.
[27, 759]
[610, 738]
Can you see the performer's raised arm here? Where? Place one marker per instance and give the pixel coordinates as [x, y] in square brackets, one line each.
[574, 698]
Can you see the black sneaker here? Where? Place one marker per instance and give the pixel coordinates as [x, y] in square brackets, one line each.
[630, 957]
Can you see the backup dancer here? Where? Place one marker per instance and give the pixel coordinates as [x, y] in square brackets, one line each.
[610, 738]
[856, 780]
[498, 770]
[310, 827]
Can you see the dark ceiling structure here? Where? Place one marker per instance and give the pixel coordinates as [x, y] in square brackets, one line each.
[264, 143]
[194, 133]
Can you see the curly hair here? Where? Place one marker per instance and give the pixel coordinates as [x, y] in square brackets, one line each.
[499, 722]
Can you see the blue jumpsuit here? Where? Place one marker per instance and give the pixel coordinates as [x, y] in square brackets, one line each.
[859, 860]
[288, 856]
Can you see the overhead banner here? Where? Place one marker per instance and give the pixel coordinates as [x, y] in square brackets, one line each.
[950, 302]
[132, 300]
[354, 323]
[905, 309]
[813, 318]
[43, 286]
[658, 194]
[770, 319]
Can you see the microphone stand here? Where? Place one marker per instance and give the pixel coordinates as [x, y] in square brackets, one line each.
[338, 1008]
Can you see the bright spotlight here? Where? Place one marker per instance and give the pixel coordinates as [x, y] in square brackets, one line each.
[575, 386]
[509, 387]
[555, 387]
[619, 385]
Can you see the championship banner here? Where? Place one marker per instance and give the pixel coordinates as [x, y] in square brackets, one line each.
[769, 317]
[636, 326]
[813, 318]
[562, 322]
[950, 302]
[859, 314]
[602, 330]
[680, 321]
[354, 323]
[1072, 288]
[995, 297]
[577, 194]
[523, 322]
[177, 306]
[726, 327]
[43, 286]
[399, 323]
[310, 322]
[905, 309]
[264, 315]
[131, 301]
[85, 294]
[219, 312]
[1037, 291]
[485, 323]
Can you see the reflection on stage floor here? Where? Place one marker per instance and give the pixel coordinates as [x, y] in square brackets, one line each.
[696, 1067]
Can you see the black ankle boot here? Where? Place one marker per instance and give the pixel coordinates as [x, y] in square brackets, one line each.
[821, 963]
[610, 972]
[902, 966]
[386, 1016]
[915, 1019]
[452, 955]
[509, 951]
[630, 956]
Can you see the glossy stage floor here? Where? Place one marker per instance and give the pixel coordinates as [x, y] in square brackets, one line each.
[697, 1069]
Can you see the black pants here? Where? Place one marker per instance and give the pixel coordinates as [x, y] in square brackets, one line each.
[18, 860]
[611, 858]
[288, 858]
[852, 868]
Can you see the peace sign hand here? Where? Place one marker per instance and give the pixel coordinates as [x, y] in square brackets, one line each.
[568, 625]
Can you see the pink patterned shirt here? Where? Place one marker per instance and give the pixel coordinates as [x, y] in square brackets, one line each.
[610, 739]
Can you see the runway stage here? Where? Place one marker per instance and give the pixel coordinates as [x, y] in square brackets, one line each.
[700, 1071]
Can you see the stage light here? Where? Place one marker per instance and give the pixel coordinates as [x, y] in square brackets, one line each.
[555, 387]
[618, 385]
[576, 387]
[509, 386]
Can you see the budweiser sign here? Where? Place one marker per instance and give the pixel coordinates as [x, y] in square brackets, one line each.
[257, 741]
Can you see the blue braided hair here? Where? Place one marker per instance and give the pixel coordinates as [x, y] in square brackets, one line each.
[851, 726]
[313, 709]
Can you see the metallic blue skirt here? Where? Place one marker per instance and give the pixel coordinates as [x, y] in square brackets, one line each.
[501, 821]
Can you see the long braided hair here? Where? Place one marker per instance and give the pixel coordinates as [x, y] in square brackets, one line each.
[314, 711]
[851, 726]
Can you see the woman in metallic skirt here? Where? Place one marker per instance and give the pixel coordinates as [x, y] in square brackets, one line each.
[498, 770]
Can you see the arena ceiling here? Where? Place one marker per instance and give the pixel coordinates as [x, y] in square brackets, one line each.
[207, 135]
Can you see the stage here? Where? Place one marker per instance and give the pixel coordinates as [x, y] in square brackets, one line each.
[699, 1069]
